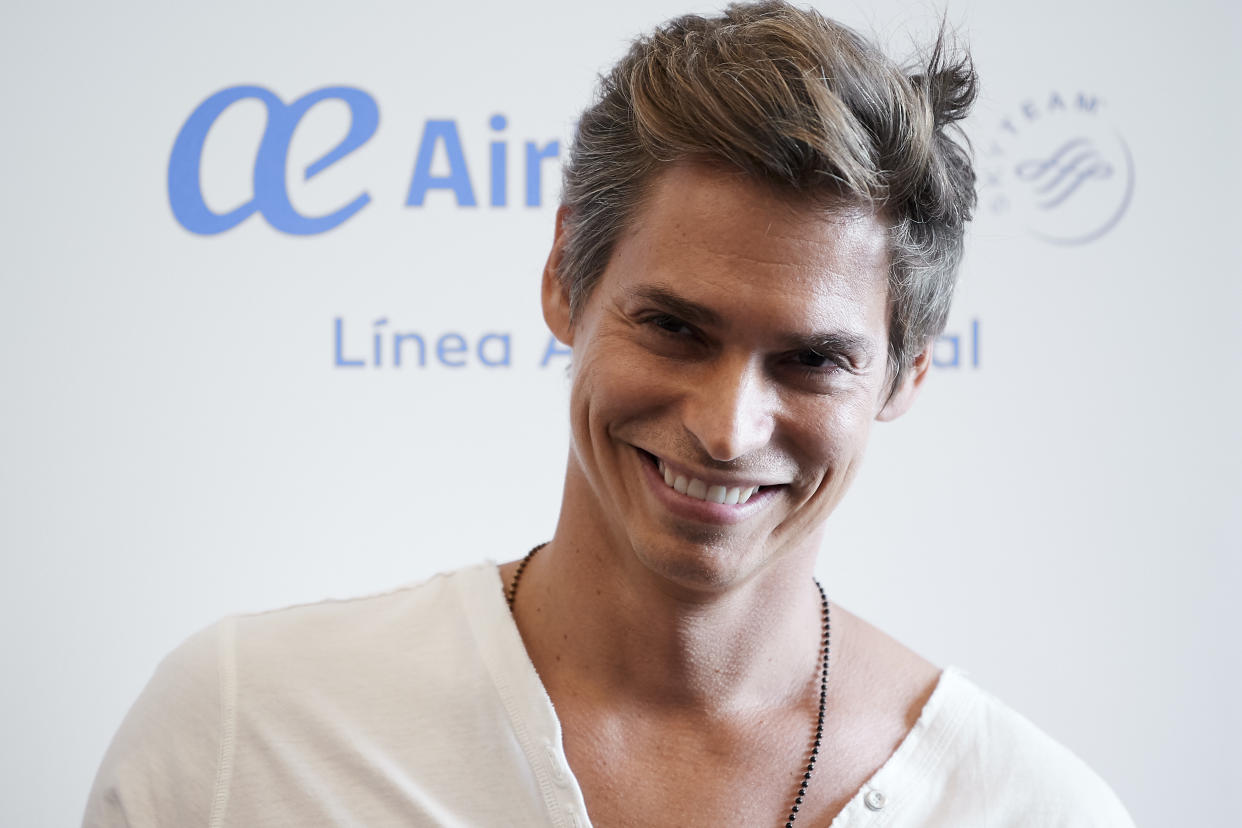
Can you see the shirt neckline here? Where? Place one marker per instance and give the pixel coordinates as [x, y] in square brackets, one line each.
[538, 729]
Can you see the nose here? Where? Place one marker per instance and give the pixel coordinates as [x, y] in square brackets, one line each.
[731, 409]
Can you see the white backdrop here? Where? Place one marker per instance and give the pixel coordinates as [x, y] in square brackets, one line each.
[1058, 515]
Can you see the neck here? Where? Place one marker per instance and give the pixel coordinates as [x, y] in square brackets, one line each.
[598, 621]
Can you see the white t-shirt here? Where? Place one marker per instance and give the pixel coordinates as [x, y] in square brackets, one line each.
[420, 707]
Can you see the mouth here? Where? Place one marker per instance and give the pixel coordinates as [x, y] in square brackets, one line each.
[705, 490]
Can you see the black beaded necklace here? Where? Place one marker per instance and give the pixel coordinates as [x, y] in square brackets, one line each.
[511, 596]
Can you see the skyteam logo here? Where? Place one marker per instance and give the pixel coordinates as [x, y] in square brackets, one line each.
[1059, 168]
[439, 163]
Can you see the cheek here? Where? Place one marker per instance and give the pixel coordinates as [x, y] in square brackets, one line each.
[609, 387]
[833, 437]
[612, 368]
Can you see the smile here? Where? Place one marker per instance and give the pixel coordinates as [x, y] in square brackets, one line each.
[700, 490]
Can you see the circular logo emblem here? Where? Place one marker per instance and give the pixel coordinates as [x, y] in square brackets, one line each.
[1058, 168]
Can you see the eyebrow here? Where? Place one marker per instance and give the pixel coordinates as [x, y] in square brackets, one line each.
[680, 307]
[826, 343]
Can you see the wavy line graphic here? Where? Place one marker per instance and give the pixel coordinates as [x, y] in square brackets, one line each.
[1056, 178]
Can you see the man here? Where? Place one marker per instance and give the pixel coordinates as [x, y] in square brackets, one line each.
[761, 226]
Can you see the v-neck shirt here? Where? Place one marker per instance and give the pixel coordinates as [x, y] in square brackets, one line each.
[421, 707]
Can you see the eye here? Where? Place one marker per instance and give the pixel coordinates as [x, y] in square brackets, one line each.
[814, 359]
[669, 324]
[669, 336]
[816, 370]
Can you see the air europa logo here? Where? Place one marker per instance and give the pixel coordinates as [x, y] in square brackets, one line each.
[441, 139]
[1059, 168]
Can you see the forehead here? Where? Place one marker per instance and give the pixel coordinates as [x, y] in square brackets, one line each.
[717, 238]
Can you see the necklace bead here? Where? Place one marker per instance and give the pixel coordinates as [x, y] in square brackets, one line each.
[511, 596]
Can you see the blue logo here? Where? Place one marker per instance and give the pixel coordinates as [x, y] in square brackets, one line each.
[1059, 168]
[271, 194]
[1056, 178]
[440, 139]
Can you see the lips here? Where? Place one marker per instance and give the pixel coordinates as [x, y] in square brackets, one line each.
[703, 490]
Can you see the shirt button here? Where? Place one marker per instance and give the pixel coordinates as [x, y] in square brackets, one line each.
[874, 800]
[559, 776]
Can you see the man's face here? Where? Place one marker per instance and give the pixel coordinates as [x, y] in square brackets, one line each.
[734, 349]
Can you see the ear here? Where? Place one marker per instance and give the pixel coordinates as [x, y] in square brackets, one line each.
[555, 294]
[907, 389]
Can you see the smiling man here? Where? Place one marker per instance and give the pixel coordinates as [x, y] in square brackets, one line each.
[762, 222]
[728, 364]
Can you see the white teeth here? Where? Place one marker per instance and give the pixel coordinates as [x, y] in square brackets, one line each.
[698, 489]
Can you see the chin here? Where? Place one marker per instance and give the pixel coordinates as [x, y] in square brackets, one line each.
[697, 565]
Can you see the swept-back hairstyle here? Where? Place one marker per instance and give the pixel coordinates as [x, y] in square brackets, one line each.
[800, 103]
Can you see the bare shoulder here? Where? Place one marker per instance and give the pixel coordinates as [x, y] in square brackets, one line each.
[879, 685]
